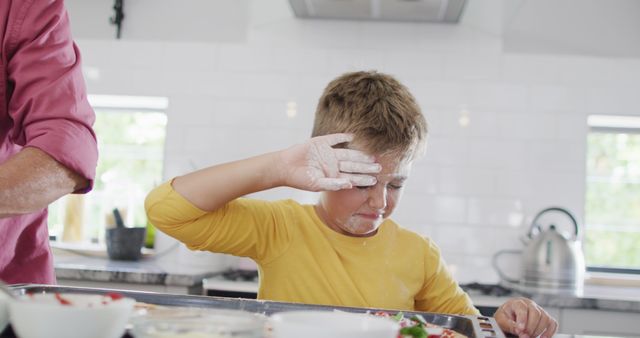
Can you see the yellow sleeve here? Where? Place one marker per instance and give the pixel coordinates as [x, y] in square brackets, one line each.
[243, 227]
[441, 293]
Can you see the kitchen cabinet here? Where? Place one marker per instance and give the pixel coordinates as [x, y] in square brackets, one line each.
[599, 322]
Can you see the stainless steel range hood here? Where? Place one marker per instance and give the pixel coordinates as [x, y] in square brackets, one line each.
[438, 11]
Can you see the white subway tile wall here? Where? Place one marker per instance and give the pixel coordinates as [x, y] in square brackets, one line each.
[476, 189]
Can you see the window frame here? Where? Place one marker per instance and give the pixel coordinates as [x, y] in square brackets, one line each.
[607, 124]
[120, 104]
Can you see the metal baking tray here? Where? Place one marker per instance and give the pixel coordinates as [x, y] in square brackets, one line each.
[470, 326]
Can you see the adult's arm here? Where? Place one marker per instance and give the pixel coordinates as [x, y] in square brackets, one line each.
[31, 179]
[48, 110]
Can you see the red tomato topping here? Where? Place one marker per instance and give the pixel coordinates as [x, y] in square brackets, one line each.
[61, 300]
[114, 296]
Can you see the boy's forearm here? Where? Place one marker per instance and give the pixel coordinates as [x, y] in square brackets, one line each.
[213, 187]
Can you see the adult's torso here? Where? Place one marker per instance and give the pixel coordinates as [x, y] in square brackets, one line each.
[25, 256]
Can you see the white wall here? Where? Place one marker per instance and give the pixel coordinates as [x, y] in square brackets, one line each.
[478, 187]
[162, 20]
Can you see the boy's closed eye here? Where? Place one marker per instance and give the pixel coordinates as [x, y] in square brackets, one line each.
[389, 186]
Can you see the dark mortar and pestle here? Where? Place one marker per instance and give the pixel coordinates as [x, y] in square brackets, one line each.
[124, 243]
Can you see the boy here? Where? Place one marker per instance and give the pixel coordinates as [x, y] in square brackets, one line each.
[344, 250]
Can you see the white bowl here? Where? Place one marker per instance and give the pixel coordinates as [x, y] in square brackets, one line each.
[326, 324]
[70, 316]
[186, 322]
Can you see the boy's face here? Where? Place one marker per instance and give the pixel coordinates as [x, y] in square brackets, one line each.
[360, 211]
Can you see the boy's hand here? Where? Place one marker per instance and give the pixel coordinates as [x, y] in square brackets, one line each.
[316, 166]
[526, 319]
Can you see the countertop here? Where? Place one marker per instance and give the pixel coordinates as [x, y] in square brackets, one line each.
[600, 297]
[144, 271]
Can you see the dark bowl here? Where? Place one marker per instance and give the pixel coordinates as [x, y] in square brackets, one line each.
[125, 244]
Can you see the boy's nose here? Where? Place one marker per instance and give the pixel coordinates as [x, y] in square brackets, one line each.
[378, 197]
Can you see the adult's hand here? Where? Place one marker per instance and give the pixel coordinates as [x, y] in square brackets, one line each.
[315, 165]
[526, 319]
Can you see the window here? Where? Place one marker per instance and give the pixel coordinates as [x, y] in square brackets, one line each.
[612, 209]
[131, 136]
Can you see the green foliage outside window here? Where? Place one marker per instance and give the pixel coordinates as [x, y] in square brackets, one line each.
[131, 148]
[612, 210]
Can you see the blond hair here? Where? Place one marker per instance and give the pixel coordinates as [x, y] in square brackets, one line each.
[381, 113]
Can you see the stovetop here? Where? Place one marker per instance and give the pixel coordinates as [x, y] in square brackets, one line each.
[487, 289]
[239, 275]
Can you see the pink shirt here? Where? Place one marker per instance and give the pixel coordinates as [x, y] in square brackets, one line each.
[43, 104]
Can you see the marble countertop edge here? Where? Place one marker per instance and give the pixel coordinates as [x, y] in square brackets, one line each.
[144, 271]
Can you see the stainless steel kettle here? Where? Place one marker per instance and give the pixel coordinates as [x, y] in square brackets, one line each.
[549, 260]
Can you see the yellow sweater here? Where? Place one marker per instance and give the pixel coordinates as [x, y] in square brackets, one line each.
[301, 260]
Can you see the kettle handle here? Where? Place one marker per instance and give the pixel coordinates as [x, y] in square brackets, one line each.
[494, 263]
[565, 211]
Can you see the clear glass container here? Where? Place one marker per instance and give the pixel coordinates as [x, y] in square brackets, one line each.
[186, 322]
